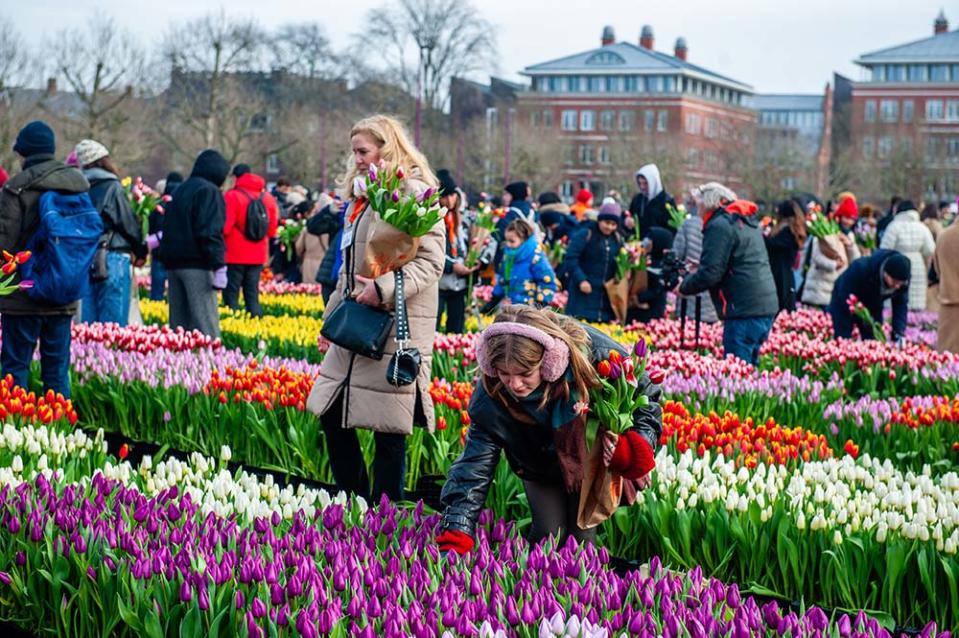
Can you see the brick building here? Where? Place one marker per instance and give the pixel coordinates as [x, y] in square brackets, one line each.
[902, 116]
[622, 104]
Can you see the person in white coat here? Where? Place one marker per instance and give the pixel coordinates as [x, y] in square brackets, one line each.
[825, 265]
[913, 239]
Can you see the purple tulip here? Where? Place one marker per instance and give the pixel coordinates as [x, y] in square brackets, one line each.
[186, 592]
[258, 608]
[4, 578]
[640, 349]
[395, 196]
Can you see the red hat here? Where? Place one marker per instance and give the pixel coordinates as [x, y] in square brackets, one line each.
[584, 196]
[847, 208]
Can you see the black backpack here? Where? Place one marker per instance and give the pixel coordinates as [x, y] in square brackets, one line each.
[257, 220]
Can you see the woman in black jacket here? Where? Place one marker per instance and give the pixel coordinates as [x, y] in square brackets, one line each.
[783, 246]
[537, 370]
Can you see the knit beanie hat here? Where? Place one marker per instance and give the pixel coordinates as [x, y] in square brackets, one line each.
[897, 266]
[549, 197]
[583, 196]
[847, 208]
[34, 139]
[610, 212]
[240, 170]
[447, 183]
[89, 151]
[518, 190]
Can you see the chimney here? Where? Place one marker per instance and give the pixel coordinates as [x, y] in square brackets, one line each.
[51, 87]
[609, 36]
[646, 37]
[941, 25]
[681, 50]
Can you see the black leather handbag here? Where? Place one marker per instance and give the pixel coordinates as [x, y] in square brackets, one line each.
[357, 327]
[405, 364]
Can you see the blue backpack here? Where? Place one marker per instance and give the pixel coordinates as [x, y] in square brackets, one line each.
[63, 247]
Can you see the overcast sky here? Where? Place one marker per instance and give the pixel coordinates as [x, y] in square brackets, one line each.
[776, 46]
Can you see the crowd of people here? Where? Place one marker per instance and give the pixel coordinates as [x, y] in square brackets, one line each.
[733, 263]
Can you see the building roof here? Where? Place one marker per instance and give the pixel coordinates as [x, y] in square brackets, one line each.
[943, 47]
[786, 102]
[628, 58]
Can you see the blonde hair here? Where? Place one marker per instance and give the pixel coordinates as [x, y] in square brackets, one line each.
[522, 353]
[396, 150]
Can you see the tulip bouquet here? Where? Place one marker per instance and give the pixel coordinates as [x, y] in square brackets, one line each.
[858, 309]
[556, 252]
[677, 215]
[287, 234]
[612, 404]
[407, 216]
[480, 232]
[866, 237]
[143, 199]
[821, 226]
[9, 272]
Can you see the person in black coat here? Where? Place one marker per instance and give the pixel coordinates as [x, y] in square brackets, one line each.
[155, 226]
[734, 268]
[783, 246]
[649, 206]
[192, 247]
[328, 221]
[537, 369]
[555, 218]
[872, 280]
[652, 301]
[591, 262]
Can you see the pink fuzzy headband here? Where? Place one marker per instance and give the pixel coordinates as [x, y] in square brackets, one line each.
[555, 355]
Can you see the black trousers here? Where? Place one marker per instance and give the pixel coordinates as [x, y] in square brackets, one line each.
[454, 302]
[247, 278]
[554, 512]
[348, 465]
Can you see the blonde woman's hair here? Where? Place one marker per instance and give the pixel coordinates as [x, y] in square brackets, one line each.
[522, 353]
[396, 150]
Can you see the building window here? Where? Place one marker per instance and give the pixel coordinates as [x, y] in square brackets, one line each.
[884, 148]
[626, 119]
[952, 110]
[569, 154]
[918, 73]
[692, 124]
[492, 119]
[662, 121]
[932, 148]
[896, 72]
[650, 119]
[566, 189]
[692, 158]
[952, 148]
[907, 110]
[534, 119]
[712, 127]
[607, 120]
[604, 155]
[595, 83]
[939, 73]
[547, 119]
[259, 122]
[586, 154]
[889, 110]
[954, 72]
[272, 163]
[569, 120]
[905, 144]
[587, 120]
[630, 83]
[870, 111]
[879, 73]
[867, 144]
[934, 110]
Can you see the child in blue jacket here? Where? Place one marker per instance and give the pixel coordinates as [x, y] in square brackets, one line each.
[524, 274]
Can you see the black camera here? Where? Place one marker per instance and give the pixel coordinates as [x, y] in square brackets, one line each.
[671, 271]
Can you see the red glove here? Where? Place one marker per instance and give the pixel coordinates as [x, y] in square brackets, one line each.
[633, 457]
[454, 540]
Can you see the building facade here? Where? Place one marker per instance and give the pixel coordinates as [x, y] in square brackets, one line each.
[621, 105]
[793, 143]
[903, 117]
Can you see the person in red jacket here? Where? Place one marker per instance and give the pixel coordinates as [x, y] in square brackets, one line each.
[245, 257]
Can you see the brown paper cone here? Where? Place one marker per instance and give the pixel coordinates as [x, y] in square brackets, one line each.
[832, 248]
[387, 249]
[639, 282]
[618, 292]
[601, 491]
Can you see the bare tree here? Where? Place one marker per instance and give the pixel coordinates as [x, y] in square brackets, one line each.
[16, 67]
[101, 65]
[431, 41]
[304, 49]
[205, 52]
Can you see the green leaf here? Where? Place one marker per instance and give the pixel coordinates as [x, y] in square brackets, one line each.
[152, 625]
[191, 625]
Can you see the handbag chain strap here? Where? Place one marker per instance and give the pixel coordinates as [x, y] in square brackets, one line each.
[402, 321]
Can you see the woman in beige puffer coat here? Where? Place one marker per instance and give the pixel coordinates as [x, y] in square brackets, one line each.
[351, 390]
